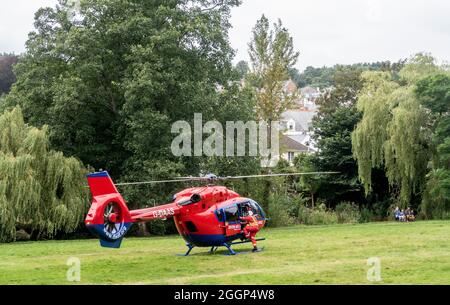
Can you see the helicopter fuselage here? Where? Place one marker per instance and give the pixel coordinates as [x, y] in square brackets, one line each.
[204, 216]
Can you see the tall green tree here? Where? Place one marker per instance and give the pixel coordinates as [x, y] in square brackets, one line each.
[272, 56]
[41, 191]
[110, 80]
[434, 93]
[332, 127]
[242, 69]
[393, 134]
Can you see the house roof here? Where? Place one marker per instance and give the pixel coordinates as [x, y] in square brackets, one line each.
[289, 144]
[302, 119]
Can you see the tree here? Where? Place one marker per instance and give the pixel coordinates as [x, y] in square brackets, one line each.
[434, 94]
[294, 74]
[393, 134]
[323, 78]
[317, 77]
[242, 69]
[332, 128]
[41, 191]
[7, 77]
[272, 56]
[110, 82]
[310, 184]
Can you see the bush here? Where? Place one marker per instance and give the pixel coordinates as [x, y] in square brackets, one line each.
[366, 215]
[322, 216]
[348, 212]
[280, 211]
[382, 210]
[318, 216]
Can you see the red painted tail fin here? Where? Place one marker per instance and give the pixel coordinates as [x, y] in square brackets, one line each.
[101, 184]
[108, 217]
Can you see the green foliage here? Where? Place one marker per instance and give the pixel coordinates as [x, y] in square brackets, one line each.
[366, 215]
[393, 133]
[295, 76]
[348, 212]
[272, 56]
[280, 209]
[345, 212]
[319, 215]
[333, 125]
[316, 77]
[41, 191]
[110, 82]
[434, 94]
[308, 183]
[7, 77]
[325, 77]
[105, 101]
[242, 68]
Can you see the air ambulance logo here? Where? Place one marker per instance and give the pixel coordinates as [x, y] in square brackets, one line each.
[115, 231]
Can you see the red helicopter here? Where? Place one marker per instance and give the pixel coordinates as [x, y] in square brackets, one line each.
[207, 216]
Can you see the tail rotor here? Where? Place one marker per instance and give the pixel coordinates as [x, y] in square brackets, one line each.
[108, 217]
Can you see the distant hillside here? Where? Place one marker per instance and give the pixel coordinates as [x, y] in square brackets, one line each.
[323, 77]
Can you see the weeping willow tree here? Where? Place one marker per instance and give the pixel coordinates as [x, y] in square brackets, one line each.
[393, 134]
[41, 191]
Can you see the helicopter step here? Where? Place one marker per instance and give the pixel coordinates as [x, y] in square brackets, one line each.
[250, 251]
[247, 241]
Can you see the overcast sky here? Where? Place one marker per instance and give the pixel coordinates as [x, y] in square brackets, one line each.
[326, 32]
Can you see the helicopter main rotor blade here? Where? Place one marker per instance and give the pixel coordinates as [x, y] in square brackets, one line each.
[190, 179]
[161, 181]
[279, 175]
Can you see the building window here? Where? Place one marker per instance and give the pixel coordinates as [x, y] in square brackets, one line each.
[291, 156]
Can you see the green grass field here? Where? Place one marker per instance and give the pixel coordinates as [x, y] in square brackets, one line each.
[410, 253]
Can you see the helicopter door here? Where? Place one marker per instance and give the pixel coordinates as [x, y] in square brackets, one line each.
[232, 223]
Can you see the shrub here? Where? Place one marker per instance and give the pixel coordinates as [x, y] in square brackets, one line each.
[322, 216]
[348, 212]
[280, 210]
[318, 216]
[366, 215]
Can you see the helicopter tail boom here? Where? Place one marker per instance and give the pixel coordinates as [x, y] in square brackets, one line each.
[158, 212]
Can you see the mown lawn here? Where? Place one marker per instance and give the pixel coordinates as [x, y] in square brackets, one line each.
[410, 253]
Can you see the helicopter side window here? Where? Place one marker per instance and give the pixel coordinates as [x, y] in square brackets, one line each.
[231, 213]
[220, 215]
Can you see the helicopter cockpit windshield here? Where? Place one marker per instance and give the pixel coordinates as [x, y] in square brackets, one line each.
[251, 205]
[233, 212]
